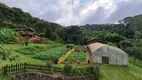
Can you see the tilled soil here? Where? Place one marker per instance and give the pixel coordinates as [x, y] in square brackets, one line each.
[40, 76]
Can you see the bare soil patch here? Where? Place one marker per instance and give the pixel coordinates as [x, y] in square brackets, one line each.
[41, 76]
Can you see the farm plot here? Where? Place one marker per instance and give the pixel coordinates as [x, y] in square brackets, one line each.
[36, 49]
[76, 57]
[50, 54]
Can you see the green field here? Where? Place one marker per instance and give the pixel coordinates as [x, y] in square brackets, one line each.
[108, 72]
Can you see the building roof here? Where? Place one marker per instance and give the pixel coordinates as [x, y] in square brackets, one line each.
[99, 47]
[25, 29]
[93, 39]
[30, 29]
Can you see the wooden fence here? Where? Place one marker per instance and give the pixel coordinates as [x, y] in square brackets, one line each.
[25, 66]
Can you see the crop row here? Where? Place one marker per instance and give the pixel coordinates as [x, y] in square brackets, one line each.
[36, 49]
[76, 57]
[50, 54]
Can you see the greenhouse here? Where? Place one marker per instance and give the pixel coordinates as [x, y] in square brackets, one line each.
[105, 54]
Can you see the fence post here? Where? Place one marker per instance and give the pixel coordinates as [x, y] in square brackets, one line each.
[8, 68]
[41, 68]
[16, 68]
[24, 66]
[11, 69]
[5, 69]
[20, 66]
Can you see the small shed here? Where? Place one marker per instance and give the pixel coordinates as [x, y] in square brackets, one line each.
[105, 54]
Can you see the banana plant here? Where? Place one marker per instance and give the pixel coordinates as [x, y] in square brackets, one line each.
[4, 54]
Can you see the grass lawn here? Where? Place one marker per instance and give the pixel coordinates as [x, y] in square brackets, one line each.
[133, 72]
[22, 58]
[111, 72]
[18, 46]
[138, 62]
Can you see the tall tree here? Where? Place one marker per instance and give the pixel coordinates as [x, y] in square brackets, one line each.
[138, 45]
[73, 34]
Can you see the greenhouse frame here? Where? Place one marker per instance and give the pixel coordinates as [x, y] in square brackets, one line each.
[105, 54]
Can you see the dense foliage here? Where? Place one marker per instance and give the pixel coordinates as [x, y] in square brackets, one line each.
[105, 36]
[4, 54]
[73, 34]
[114, 28]
[7, 35]
[126, 27]
[91, 70]
[16, 18]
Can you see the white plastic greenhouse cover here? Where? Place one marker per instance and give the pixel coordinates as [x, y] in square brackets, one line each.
[115, 55]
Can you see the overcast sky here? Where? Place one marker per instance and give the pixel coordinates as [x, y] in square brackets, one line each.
[79, 12]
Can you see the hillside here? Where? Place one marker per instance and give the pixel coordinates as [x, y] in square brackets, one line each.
[108, 72]
[13, 17]
[125, 27]
[125, 35]
[16, 18]
[121, 73]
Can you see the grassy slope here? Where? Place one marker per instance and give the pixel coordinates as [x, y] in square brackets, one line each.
[115, 72]
[138, 62]
[21, 58]
[108, 72]
[17, 46]
[133, 72]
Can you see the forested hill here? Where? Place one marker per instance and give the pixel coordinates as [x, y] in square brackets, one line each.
[16, 18]
[126, 27]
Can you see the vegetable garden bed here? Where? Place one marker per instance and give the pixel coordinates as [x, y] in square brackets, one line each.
[50, 54]
[76, 57]
[36, 49]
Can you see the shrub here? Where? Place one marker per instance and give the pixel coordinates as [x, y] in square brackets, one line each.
[50, 67]
[67, 69]
[70, 46]
[96, 73]
[26, 43]
[92, 71]
[4, 54]
[44, 39]
[7, 35]
[76, 71]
